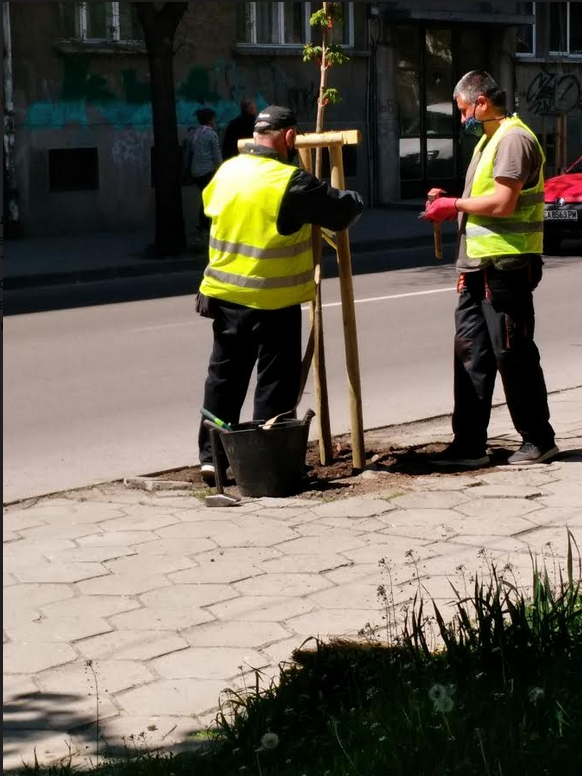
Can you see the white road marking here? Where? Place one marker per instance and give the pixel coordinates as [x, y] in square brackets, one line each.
[390, 296]
[306, 307]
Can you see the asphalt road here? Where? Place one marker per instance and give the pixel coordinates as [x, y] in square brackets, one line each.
[97, 391]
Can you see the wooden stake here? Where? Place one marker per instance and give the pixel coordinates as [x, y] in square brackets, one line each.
[344, 261]
[316, 316]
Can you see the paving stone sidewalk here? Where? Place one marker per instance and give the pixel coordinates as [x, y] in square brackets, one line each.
[138, 610]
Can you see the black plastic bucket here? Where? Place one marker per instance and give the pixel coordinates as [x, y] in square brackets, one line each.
[268, 462]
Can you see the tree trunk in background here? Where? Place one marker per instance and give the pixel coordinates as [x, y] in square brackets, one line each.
[160, 22]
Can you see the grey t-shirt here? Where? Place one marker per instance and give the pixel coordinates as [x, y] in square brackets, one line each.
[517, 158]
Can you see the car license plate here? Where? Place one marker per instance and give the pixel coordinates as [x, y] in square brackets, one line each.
[561, 215]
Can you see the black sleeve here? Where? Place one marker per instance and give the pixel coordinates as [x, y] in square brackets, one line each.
[308, 200]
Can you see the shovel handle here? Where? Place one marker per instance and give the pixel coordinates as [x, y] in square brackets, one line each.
[436, 228]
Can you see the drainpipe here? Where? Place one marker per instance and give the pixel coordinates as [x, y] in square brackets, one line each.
[9, 182]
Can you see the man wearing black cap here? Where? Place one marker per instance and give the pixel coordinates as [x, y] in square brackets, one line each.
[260, 270]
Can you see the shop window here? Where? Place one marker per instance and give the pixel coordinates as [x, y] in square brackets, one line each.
[102, 22]
[73, 169]
[286, 24]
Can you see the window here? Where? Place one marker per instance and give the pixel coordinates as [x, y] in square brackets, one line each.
[103, 22]
[73, 169]
[565, 20]
[286, 24]
[525, 39]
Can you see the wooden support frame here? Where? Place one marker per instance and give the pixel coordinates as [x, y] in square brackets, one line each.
[334, 142]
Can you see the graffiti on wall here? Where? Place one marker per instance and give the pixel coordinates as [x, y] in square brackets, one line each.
[551, 93]
[90, 99]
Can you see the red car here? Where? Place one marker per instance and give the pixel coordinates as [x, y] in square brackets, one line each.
[563, 207]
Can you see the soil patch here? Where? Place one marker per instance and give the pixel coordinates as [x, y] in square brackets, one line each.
[387, 468]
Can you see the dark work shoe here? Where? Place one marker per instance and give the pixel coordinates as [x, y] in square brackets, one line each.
[457, 455]
[529, 453]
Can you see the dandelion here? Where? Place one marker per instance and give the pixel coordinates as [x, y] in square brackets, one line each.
[536, 694]
[440, 695]
[270, 741]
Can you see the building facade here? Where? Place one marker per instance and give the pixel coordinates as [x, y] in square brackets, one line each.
[81, 150]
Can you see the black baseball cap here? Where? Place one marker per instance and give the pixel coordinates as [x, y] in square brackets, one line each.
[275, 117]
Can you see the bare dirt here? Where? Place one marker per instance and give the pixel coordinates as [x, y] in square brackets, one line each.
[388, 468]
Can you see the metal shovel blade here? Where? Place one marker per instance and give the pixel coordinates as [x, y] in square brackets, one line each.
[221, 500]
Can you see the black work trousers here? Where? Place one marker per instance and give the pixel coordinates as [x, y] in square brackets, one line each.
[244, 336]
[495, 333]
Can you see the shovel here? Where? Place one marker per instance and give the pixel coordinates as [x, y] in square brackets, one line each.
[220, 498]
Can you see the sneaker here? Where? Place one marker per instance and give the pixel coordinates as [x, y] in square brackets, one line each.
[455, 455]
[208, 474]
[529, 453]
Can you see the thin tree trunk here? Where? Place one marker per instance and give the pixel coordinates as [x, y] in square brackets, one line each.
[159, 28]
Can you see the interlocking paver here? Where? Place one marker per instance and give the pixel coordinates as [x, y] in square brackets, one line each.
[334, 622]
[143, 523]
[358, 525]
[499, 509]
[34, 595]
[265, 608]
[29, 658]
[176, 596]
[90, 554]
[359, 595]
[395, 549]
[565, 494]
[123, 584]
[320, 542]
[19, 521]
[215, 572]
[172, 547]
[312, 563]
[505, 490]
[98, 606]
[233, 634]
[164, 618]
[208, 663]
[57, 572]
[440, 499]
[108, 539]
[353, 507]
[61, 629]
[157, 564]
[112, 676]
[131, 645]
[282, 584]
[172, 697]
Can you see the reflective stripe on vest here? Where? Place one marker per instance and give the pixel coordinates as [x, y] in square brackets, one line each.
[250, 262]
[522, 231]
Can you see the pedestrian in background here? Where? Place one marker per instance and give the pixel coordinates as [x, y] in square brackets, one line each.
[261, 271]
[203, 156]
[500, 218]
[239, 128]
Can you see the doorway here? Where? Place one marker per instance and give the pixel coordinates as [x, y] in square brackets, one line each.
[431, 59]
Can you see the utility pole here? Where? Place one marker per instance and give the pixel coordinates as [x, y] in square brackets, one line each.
[10, 213]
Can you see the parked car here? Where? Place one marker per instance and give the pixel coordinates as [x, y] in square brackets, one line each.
[563, 207]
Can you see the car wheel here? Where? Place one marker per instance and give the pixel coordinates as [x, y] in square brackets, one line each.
[552, 242]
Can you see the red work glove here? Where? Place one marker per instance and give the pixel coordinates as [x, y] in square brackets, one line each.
[441, 209]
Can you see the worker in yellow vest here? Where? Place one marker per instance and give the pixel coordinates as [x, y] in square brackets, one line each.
[500, 218]
[260, 271]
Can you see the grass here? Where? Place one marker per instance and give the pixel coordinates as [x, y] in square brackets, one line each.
[501, 696]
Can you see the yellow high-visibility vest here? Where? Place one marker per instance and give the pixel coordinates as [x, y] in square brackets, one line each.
[250, 262]
[522, 231]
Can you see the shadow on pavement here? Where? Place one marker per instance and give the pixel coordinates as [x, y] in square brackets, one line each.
[49, 728]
